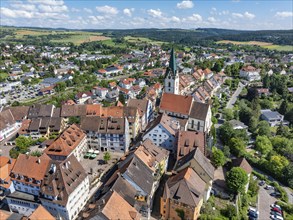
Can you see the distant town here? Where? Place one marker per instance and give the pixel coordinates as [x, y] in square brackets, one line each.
[150, 130]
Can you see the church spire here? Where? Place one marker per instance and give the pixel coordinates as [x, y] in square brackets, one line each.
[172, 62]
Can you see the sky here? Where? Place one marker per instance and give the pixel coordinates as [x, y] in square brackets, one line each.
[118, 14]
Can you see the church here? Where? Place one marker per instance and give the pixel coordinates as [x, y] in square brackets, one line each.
[171, 83]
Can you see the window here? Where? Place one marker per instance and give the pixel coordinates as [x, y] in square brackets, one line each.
[169, 84]
[198, 125]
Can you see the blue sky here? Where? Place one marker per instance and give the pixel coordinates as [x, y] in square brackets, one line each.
[118, 14]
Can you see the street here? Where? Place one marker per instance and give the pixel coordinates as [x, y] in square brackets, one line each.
[264, 202]
[234, 97]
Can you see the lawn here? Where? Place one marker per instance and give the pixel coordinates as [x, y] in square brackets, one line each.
[267, 45]
[142, 40]
[3, 75]
[111, 43]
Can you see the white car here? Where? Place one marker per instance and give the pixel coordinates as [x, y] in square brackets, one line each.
[276, 217]
[276, 206]
[253, 210]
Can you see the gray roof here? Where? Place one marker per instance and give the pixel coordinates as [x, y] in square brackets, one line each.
[140, 174]
[236, 123]
[199, 110]
[125, 190]
[198, 156]
[271, 114]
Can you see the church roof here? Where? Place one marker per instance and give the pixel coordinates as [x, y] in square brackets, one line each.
[172, 69]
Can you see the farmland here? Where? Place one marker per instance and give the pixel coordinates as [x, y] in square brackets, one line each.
[267, 45]
[142, 40]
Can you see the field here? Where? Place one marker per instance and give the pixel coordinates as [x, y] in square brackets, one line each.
[259, 43]
[142, 40]
[58, 36]
[78, 38]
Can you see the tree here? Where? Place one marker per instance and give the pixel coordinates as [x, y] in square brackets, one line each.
[278, 163]
[236, 179]
[60, 86]
[266, 81]
[180, 213]
[122, 98]
[23, 142]
[228, 114]
[264, 129]
[36, 153]
[107, 157]
[218, 157]
[283, 107]
[237, 146]
[263, 145]
[73, 120]
[225, 132]
[289, 116]
[229, 211]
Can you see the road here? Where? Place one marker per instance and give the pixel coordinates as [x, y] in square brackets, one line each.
[234, 97]
[264, 202]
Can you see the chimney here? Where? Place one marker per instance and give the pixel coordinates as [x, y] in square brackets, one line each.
[39, 161]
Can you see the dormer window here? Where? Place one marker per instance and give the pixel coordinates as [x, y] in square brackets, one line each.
[30, 179]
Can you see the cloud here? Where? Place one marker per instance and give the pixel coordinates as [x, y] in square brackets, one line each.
[175, 19]
[53, 8]
[155, 13]
[194, 18]
[185, 4]
[106, 9]
[284, 14]
[47, 2]
[245, 15]
[249, 15]
[128, 11]
[16, 13]
[88, 10]
[22, 6]
[212, 19]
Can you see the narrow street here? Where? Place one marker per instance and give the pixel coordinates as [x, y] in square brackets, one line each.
[264, 202]
[234, 97]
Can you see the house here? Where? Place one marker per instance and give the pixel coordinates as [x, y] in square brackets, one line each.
[8, 125]
[106, 211]
[47, 82]
[263, 92]
[207, 73]
[6, 185]
[6, 215]
[82, 97]
[187, 141]
[127, 83]
[162, 132]
[71, 142]
[106, 134]
[200, 117]
[242, 162]
[274, 118]
[184, 191]
[238, 124]
[250, 73]
[145, 110]
[201, 165]
[27, 183]
[100, 91]
[40, 214]
[65, 188]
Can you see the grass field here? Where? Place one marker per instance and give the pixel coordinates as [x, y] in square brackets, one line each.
[111, 43]
[76, 37]
[267, 45]
[142, 40]
[3, 75]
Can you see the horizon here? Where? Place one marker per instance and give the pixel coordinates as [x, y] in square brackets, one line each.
[127, 15]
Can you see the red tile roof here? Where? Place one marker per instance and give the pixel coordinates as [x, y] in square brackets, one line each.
[176, 103]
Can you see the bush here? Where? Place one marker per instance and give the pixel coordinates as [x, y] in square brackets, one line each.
[229, 211]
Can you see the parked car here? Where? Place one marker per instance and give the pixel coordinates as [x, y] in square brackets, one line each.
[262, 182]
[268, 187]
[276, 206]
[276, 194]
[276, 210]
[276, 213]
[253, 214]
[276, 217]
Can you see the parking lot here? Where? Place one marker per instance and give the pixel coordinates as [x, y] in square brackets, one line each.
[264, 202]
[95, 167]
[21, 93]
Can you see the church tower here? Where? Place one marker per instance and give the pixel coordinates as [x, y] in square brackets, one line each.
[171, 83]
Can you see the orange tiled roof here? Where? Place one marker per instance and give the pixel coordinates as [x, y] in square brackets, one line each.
[67, 142]
[176, 103]
[41, 214]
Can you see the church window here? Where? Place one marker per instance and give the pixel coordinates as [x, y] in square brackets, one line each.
[169, 84]
[198, 125]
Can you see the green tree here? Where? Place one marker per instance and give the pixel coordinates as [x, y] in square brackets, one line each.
[278, 163]
[236, 180]
[36, 153]
[122, 98]
[73, 120]
[228, 114]
[237, 146]
[283, 107]
[230, 211]
[60, 87]
[226, 132]
[180, 213]
[264, 129]
[107, 156]
[266, 81]
[218, 157]
[263, 145]
[23, 142]
[289, 116]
